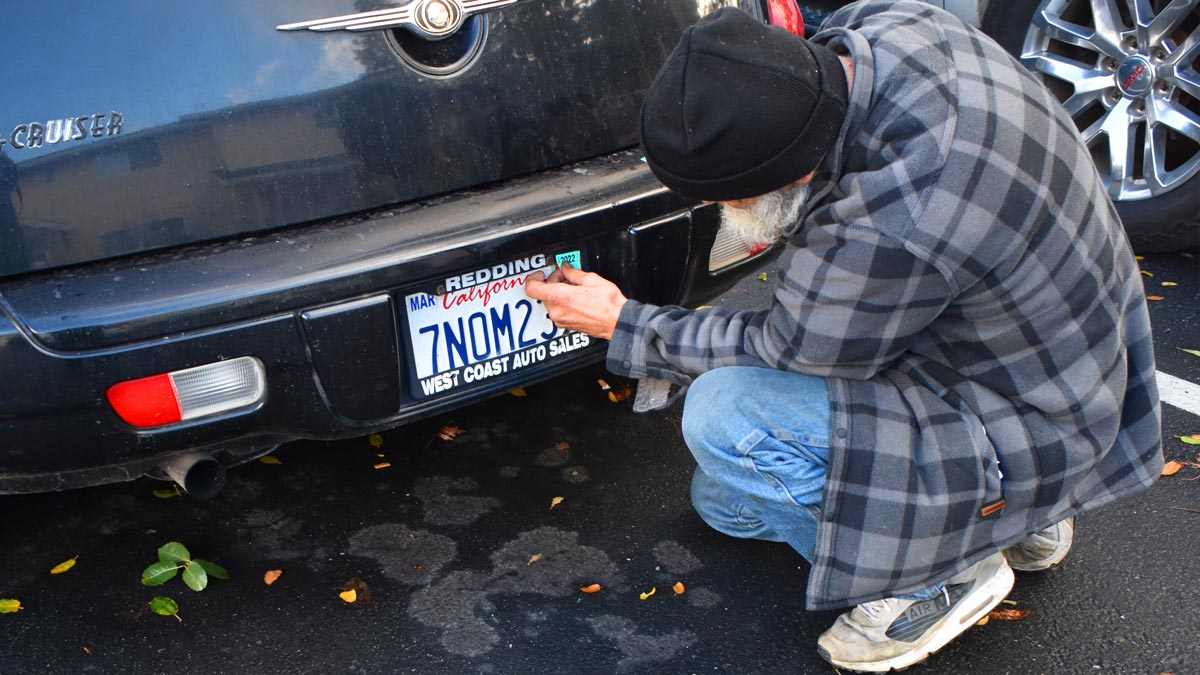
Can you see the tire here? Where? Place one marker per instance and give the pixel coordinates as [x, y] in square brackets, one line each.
[1157, 194]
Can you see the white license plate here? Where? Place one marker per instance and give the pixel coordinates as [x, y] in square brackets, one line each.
[484, 326]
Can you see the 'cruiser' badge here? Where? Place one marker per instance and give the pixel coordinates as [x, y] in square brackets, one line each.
[432, 19]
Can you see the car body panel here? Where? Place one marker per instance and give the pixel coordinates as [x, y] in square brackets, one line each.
[161, 125]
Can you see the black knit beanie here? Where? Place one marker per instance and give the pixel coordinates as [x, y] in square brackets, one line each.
[741, 108]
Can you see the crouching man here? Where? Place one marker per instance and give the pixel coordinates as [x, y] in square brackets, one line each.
[958, 356]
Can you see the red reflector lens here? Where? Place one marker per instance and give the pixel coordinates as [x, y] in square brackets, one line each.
[148, 402]
[785, 13]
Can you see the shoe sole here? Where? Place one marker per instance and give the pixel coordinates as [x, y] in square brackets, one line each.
[973, 607]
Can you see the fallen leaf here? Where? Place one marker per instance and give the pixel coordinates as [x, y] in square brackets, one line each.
[1194, 439]
[380, 454]
[1008, 614]
[269, 459]
[195, 576]
[983, 621]
[762, 276]
[417, 568]
[519, 392]
[355, 590]
[1149, 274]
[647, 594]
[63, 566]
[86, 650]
[375, 440]
[1139, 257]
[591, 588]
[1169, 283]
[678, 588]
[8, 605]
[174, 552]
[159, 573]
[562, 445]
[164, 606]
[1193, 352]
[618, 393]
[167, 493]
[1008, 602]
[534, 558]
[1171, 468]
[556, 501]
[449, 432]
[271, 576]
[383, 465]
[1155, 298]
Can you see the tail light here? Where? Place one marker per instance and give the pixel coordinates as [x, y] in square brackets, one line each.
[728, 249]
[190, 393]
[786, 14]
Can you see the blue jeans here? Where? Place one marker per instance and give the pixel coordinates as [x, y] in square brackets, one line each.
[761, 442]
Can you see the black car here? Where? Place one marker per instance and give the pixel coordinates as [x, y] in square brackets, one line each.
[233, 224]
[230, 225]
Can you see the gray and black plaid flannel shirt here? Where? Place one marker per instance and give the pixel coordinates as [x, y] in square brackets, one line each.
[964, 283]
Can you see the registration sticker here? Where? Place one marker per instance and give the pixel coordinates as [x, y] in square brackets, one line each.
[484, 326]
[570, 257]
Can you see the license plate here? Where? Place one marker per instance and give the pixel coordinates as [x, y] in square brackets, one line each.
[483, 326]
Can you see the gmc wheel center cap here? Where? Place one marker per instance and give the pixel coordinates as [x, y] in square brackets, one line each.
[1135, 76]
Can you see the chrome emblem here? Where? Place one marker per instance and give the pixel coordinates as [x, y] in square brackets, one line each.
[432, 19]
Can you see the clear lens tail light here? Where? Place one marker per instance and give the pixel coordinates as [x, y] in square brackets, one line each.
[190, 393]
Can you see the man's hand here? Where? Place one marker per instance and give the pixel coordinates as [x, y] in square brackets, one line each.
[578, 300]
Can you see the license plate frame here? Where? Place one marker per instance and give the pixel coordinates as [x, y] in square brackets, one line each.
[479, 326]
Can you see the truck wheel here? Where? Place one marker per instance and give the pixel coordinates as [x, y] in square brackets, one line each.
[1128, 72]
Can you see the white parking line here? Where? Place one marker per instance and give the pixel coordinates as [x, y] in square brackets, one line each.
[1179, 393]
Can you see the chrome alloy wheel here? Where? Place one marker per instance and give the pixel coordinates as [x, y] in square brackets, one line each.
[1128, 72]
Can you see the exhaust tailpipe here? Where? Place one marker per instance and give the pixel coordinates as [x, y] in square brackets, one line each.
[199, 474]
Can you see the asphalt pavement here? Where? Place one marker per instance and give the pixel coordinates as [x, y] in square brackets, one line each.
[468, 549]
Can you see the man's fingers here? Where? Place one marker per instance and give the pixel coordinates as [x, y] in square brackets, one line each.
[571, 274]
[535, 286]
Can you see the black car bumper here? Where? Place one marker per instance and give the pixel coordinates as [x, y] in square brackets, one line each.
[321, 306]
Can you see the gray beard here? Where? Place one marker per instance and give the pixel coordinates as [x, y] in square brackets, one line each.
[769, 217]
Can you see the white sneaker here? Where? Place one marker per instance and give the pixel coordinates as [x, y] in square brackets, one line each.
[893, 633]
[1042, 549]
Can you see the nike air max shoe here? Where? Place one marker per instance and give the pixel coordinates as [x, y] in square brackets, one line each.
[894, 633]
[1042, 549]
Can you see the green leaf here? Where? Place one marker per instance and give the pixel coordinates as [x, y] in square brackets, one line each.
[1194, 439]
[159, 573]
[1149, 274]
[1193, 352]
[213, 569]
[195, 576]
[174, 552]
[164, 606]
[8, 606]
[166, 493]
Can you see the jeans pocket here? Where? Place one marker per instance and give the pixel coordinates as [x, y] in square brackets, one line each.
[795, 471]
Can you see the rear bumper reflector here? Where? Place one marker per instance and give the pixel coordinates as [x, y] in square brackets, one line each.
[190, 393]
